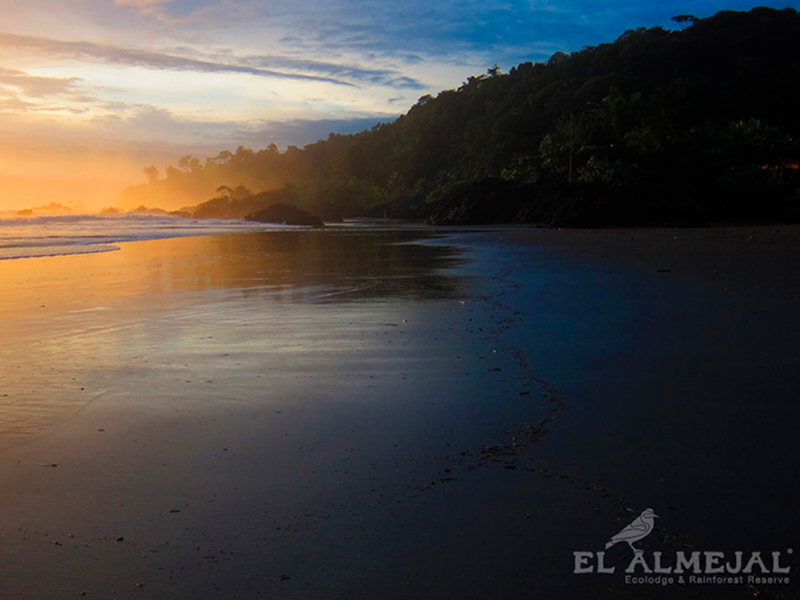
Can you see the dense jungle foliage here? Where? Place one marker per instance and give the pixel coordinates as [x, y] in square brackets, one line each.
[694, 125]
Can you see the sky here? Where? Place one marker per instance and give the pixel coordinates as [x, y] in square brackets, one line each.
[92, 91]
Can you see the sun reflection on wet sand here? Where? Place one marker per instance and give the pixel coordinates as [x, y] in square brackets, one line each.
[80, 327]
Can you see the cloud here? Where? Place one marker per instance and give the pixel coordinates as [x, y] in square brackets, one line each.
[142, 5]
[144, 122]
[37, 87]
[468, 33]
[141, 120]
[383, 77]
[143, 58]
[13, 104]
[146, 6]
[411, 28]
[301, 132]
[68, 109]
[159, 10]
[280, 67]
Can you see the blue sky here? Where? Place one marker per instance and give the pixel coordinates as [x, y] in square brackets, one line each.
[133, 81]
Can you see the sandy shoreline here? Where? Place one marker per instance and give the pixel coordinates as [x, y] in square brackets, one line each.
[686, 397]
[344, 457]
[763, 257]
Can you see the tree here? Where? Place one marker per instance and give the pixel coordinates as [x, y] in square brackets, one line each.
[685, 20]
[619, 120]
[152, 174]
[240, 192]
[561, 148]
[223, 157]
[189, 164]
[617, 113]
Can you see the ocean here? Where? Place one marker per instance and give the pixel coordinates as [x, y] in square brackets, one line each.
[27, 237]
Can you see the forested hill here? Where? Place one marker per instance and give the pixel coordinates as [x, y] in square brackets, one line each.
[659, 126]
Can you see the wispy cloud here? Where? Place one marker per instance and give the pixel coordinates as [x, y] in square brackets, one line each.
[132, 57]
[300, 132]
[160, 10]
[14, 104]
[420, 29]
[146, 6]
[465, 32]
[382, 77]
[37, 87]
[158, 125]
[60, 109]
[278, 67]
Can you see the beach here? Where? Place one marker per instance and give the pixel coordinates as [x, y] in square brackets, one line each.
[398, 413]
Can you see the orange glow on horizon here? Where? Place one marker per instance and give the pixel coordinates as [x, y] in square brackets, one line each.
[36, 171]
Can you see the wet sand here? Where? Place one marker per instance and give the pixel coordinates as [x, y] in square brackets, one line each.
[270, 418]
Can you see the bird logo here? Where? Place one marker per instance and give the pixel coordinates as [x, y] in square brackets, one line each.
[641, 527]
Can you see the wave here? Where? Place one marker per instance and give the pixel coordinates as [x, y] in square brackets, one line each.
[55, 235]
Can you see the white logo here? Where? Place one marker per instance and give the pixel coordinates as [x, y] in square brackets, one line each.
[641, 527]
[696, 567]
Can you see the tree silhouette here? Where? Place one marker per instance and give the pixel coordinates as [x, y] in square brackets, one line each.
[654, 126]
[685, 20]
[152, 174]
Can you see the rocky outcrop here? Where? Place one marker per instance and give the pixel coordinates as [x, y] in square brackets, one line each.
[287, 214]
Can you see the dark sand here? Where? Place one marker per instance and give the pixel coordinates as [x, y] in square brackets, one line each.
[183, 420]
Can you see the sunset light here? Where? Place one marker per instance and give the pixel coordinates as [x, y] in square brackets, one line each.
[399, 299]
[92, 91]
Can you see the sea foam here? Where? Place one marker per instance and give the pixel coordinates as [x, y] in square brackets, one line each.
[37, 236]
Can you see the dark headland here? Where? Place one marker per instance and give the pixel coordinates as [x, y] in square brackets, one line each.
[685, 126]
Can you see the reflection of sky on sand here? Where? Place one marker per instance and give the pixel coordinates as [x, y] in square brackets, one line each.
[170, 314]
